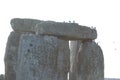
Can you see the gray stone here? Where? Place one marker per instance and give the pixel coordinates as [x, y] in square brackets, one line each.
[11, 55]
[69, 31]
[45, 56]
[2, 77]
[24, 25]
[42, 58]
[90, 64]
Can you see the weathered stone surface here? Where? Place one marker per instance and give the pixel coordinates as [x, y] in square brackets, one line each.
[42, 58]
[2, 77]
[24, 25]
[75, 47]
[45, 56]
[90, 64]
[11, 55]
[69, 31]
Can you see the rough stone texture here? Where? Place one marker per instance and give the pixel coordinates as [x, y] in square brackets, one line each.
[45, 55]
[24, 25]
[42, 58]
[75, 47]
[2, 77]
[90, 62]
[11, 55]
[69, 31]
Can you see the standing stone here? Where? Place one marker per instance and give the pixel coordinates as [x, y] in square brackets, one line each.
[42, 58]
[45, 56]
[63, 60]
[90, 62]
[11, 55]
[75, 47]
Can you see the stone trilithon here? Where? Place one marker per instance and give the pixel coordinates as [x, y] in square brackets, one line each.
[40, 50]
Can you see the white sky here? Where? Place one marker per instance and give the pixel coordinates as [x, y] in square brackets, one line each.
[102, 14]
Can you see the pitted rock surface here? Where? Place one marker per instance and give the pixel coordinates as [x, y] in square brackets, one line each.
[42, 58]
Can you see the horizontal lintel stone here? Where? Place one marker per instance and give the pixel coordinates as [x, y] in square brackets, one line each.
[69, 31]
[24, 25]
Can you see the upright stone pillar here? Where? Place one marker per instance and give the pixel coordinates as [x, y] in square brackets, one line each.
[42, 58]
[90, 65]
[11, 55]
[20, 26]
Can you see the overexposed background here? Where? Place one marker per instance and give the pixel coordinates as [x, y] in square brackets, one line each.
[102, 14]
